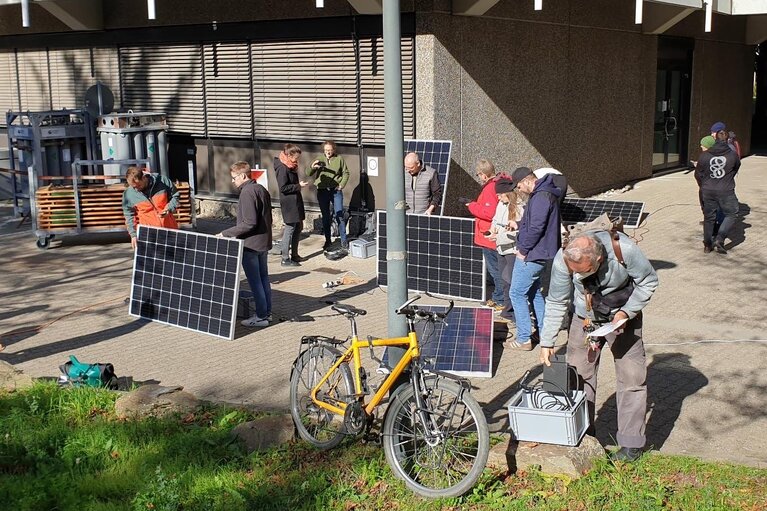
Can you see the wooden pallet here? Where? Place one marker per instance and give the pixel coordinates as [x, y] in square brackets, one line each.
[100, 206]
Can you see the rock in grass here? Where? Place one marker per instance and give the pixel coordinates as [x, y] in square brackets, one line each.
[265, 432]
[156, 401]
[552, 459]
[13, 379]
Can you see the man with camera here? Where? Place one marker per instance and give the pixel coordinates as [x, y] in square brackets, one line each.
[608, 280]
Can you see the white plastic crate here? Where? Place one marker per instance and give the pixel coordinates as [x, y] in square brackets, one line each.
[362, 249]
[561, 427]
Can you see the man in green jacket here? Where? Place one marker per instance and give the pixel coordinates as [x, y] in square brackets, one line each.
[332, 176]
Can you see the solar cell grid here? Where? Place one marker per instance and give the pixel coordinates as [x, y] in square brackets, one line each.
[442, 257]
[186, 279]
[463, 345]
[586, 210]
[435, 154]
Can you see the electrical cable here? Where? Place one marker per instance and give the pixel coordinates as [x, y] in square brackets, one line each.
[706, 341]
[38, 328]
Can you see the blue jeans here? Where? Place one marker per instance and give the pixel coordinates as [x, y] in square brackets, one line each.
[525, 290]
[254, 264]
[326, 198]
[491, 261]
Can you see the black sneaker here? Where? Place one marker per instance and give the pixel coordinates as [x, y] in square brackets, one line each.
[327, 244]
[626, 454]
[345, 245]
[719, 247]
[289, 262]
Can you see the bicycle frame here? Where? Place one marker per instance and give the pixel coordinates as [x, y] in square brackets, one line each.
[353, 353]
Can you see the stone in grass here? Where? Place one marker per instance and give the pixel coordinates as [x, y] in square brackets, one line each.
[552, 459]
[155, 401]
[12, 379]
[265, 432]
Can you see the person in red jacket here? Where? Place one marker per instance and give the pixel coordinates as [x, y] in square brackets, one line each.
[483, 210]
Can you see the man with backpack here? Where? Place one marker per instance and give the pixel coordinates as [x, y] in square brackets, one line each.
[607, 279]
[715, 173]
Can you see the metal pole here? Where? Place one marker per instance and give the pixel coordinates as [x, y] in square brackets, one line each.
[396, 255]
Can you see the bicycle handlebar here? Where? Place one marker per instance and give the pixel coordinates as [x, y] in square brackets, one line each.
[414, 312]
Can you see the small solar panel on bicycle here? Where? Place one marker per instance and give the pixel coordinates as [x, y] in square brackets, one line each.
[463, 345]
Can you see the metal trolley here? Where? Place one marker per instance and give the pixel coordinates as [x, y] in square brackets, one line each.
[67, 210]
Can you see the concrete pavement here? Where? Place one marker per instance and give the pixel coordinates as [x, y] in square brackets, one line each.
[707, 399]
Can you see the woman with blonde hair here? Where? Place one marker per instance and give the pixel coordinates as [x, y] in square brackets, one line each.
[503, 231]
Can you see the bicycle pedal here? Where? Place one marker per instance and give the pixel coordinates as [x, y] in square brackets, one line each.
[372, 438]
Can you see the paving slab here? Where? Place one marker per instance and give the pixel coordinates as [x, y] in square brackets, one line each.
[704, 328]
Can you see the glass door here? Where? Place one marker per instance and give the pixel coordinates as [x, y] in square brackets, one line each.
[672, 104]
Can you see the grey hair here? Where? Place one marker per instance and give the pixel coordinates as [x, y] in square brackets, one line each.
[584, 247]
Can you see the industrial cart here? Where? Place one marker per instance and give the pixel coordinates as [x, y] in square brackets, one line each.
[73, 209]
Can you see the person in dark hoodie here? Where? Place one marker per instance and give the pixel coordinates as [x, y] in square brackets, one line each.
[715, 173]
[538, 241]
[254, 227]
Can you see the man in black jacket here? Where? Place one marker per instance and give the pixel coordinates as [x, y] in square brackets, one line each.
[254, 227]
[715, 174]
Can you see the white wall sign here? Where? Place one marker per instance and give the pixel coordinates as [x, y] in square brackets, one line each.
[372, 165]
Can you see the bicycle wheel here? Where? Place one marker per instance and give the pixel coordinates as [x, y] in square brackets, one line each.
[318, 426]
[448, 462]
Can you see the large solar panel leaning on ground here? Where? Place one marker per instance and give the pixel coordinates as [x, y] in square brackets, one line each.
[586, 210]
[462, 346]
[442, 258]
[186, 279]
[435, 154]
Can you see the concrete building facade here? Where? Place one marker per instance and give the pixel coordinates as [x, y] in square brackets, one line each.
[579, 85]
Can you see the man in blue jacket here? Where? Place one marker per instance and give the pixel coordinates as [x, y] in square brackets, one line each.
[537, 242]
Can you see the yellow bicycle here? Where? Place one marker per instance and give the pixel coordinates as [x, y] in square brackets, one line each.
[434, 433]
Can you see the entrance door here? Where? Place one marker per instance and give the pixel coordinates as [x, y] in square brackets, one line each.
[672, 104]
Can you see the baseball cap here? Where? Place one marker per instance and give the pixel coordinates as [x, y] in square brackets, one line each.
[707, 142]
[718, 126]
[518, 175]
[504, 185]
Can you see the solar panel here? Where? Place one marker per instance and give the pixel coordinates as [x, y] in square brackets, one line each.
[186, 279]
[586, 210]
[442, 258]
[463, 346]
[435, 154]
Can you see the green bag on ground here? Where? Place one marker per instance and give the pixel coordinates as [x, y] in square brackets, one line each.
[78, 374]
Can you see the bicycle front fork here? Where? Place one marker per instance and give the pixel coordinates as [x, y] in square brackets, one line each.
[423, 413]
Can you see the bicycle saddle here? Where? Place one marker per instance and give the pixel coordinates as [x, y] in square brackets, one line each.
[348, 309]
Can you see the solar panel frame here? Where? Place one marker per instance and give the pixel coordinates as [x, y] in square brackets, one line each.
[462, 346]
[435, 154]
[180, 288]
[431, 263]
[576, 210]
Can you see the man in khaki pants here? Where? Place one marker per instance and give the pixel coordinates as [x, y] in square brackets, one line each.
[611, 281]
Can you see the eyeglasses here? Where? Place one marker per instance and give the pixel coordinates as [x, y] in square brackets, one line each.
[234, 178]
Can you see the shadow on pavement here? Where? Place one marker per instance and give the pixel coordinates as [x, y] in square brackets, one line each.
[737, 233]
[67, 345]
[670, 380]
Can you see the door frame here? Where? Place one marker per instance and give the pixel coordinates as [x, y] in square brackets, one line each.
[676, 54]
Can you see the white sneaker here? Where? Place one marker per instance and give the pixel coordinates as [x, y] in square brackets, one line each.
[255, 321]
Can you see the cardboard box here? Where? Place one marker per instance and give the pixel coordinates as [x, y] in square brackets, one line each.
[548, 426]
[362, 249]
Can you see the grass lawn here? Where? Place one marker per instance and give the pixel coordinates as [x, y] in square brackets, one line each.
[64, 449]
